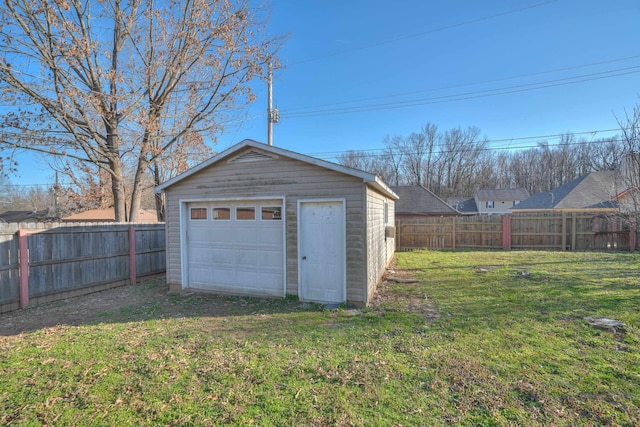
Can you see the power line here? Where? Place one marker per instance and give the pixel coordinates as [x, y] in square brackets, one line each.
[335, 154]
[463, 150]
[468, 95]
[422, 33]
[464, 84]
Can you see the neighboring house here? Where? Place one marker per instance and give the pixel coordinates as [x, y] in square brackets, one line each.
[594, 192]
[464, 205]
[417, 202]
[260, 220]
[499, 200]
[45, 215]
[108, 215]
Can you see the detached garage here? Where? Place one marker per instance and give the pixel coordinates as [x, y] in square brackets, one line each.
[259, 220]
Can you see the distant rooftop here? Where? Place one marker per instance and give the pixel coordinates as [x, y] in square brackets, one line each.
[45, 215]
[594, 191]
[417, 200]
[499, 194]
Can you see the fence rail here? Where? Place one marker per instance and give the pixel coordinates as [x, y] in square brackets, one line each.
[576, 231]
[46, 262]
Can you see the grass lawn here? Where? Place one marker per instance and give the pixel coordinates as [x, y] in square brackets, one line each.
[510, 347]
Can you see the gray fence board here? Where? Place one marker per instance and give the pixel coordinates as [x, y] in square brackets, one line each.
[65, 258]
[9, 279]
[578, 231]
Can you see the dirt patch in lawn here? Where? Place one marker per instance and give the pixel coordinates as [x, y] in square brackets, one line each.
[401, 291]
[151, 299]
[79, 310]
[146, 300]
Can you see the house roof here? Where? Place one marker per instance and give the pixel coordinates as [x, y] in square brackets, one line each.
[26, 216]
[109, 214]
[464, 205]
[415, 199]
[499, 194]
[366, 177]
[594, 190]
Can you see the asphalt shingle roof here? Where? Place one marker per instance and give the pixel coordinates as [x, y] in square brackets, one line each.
[593, 190]
[415, 199]
[466, 205]
[499, 194]
[26, 216]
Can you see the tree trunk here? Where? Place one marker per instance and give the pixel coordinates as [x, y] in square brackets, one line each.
[119, 193]
[158, 196]
[136, 192]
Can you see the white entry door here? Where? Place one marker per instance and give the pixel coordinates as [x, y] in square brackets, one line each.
[321, 251]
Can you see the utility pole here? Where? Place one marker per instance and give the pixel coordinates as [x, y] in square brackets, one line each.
[273, 115]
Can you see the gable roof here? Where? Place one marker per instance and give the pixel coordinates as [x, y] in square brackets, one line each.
[464, 205]
[499, 194]
[416, 199]
[594, 190]
[262, 150]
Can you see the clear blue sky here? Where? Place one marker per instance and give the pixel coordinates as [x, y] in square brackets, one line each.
[358, 70]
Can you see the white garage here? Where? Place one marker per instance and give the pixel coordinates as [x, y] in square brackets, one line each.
[236, 247]
[262, 221]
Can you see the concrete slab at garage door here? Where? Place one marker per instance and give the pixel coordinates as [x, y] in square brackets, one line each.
[236, 247]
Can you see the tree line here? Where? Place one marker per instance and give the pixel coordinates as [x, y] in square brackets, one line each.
[456, 162]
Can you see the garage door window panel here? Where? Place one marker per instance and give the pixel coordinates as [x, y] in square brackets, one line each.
[221, 214]
[246, 214]
[271, 213]
[198, 214]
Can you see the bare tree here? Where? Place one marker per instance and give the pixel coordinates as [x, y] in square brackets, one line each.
[30, 198]
[432, 139]
[354, 159]
[603, 154]
[630, 127]
[107, 82]
[393, 157]
[414, 151]
[182, 155]
[461, 152]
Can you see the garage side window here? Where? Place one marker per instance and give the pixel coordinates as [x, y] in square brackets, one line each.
[246, 214]
[221, 214]
[271, 213]
[386, 212]
[198, 213]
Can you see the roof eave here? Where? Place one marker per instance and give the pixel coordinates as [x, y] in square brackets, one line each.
[366, 177]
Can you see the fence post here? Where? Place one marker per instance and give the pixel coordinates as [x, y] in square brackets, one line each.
[23, 267]
[563, 228]
[132, 255]
[574, 231]
[506, 232]
[453, 232]
[632, 234]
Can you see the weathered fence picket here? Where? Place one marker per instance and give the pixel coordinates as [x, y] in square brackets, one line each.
[576, 231]
[62, 260]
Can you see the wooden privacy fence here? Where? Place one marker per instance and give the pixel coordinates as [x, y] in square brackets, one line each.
[46, 262]
[575, 231]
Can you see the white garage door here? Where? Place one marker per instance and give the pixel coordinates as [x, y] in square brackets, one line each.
[236, 247]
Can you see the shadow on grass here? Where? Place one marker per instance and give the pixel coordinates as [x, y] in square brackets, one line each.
[147, 300]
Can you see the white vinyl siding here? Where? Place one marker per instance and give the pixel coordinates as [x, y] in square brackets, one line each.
[379, 248]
